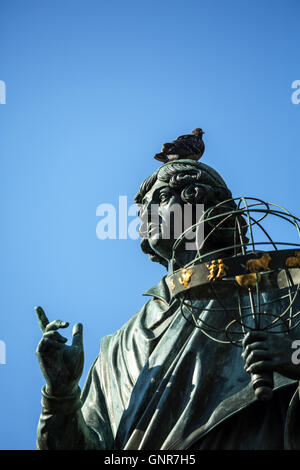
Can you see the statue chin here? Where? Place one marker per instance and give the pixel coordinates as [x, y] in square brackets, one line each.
[162, 247]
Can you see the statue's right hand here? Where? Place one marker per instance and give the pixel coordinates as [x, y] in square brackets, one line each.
[60, 364]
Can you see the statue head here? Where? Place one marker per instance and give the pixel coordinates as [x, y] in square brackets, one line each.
[179, 183]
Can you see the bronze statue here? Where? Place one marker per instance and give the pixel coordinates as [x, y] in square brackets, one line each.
[158, 382]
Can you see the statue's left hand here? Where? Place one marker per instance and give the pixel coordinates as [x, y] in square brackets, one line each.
[267, 352]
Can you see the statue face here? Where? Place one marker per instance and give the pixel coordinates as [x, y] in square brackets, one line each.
[194, 188]
[159, 219]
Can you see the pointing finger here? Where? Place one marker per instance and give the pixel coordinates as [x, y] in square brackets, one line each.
[77, 335]
[42, 319]
[56, 324]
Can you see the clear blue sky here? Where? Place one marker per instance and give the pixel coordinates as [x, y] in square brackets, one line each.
[93, 90]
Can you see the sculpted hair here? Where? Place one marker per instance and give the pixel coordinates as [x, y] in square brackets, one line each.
[196, 183]
[180, 175]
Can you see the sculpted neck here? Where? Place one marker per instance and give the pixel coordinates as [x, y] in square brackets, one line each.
[184, 257]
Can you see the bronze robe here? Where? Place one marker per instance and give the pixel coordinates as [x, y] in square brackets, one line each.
[160, 383]
[165, 385]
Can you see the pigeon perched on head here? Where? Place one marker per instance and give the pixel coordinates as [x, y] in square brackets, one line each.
[190, 146]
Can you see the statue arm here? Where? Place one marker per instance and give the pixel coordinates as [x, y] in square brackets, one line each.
[69, 420]
[80, 421]
[58, 431]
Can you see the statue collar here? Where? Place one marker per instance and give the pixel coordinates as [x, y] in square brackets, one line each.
[160, 291]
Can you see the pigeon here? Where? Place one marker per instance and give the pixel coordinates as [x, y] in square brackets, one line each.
[190, 146]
